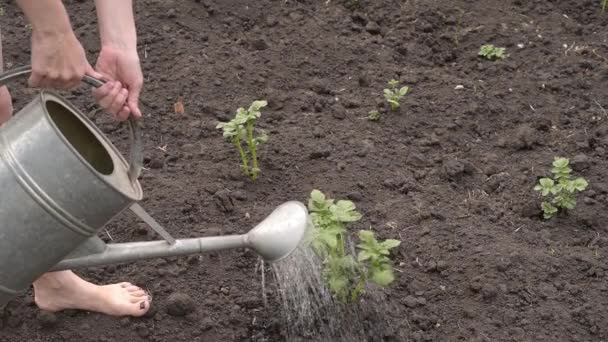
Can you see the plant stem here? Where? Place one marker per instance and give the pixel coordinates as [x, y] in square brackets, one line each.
[341, 245]
[358, 288]
[252, 149]
[237, 142]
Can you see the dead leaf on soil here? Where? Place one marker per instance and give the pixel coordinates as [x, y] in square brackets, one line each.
[179, 106]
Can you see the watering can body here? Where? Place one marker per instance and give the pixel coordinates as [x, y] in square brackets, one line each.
[61, 181]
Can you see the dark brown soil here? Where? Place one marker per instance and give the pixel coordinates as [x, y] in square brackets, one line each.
[450, 174]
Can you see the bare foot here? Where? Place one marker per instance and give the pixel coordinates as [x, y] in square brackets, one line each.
[57, 291]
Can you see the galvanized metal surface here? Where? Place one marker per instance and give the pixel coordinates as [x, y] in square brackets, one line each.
[53, 199]
[273, 239]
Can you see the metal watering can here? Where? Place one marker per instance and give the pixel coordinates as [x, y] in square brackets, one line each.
[62, 180]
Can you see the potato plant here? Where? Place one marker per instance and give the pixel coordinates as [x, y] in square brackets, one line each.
[241, 129]
[344, 273]
[393, 94]
[492, 52]
[374, 115]
[560, 189]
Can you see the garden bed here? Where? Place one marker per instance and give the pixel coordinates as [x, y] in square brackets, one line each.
[450, 174]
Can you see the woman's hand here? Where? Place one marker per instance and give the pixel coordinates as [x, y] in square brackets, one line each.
[122, 70]
[58, 60]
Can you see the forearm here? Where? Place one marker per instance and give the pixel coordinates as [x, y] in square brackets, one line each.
[116, 23]
[47, 17]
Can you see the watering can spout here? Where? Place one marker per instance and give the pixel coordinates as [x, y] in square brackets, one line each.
[273, 239]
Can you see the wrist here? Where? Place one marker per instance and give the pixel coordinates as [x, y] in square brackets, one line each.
[54, 32]
[117, 42]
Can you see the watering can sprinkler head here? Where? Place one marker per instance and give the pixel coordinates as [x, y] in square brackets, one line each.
[280, 233]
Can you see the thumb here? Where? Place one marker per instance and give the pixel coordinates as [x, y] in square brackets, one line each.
[91, 72]
[133, 100]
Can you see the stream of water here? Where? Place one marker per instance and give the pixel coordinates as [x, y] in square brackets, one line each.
[310, 312]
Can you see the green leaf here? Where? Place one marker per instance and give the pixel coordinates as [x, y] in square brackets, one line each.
[257, 105]
[548, 210]
[393, 103]
[403, 91]
[366, 236]
[393, 83]
[344, 211]
[318, 202]
[328, 236]
[364, 255]
[382, 277]
[560, 162]
[388, 93]
[546, 182]
[580, 184]
[390, 243]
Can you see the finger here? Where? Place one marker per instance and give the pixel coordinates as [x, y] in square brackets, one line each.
[119, 101]
[103, 91]
[123, 114]
[91, 72]
[133, 101]
[35, 80]
[107, 100]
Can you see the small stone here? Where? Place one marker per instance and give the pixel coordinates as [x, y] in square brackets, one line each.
[171, 13]
[259, 44]
[156, 163]
[179, 304]
[531, 209]
[252, 302]
[338, 114]
[354, 196]
[442, 265]
[363, 81]
[489, 292]
[324, 153]
[454, 168]
[410, 301]
[580, 162]
[372, 27]
[469, 312]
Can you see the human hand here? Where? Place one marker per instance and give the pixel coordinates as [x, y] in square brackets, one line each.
[58, 60]
[122, 71]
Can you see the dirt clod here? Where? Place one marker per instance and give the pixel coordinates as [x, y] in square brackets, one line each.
[47, 319]
[179, 304]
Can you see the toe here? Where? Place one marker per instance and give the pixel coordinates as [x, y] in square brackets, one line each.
[141, 308]
[134, 288]
[125, 284]
[137, 295]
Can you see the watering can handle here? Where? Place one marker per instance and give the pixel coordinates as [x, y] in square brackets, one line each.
[134, 126]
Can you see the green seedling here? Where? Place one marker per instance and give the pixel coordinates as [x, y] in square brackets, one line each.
[492, 52]
[1, 11]
[374, 115]
[560, 189]
[345, 274]
[393, 94]
[604, 5]
[241, 129]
